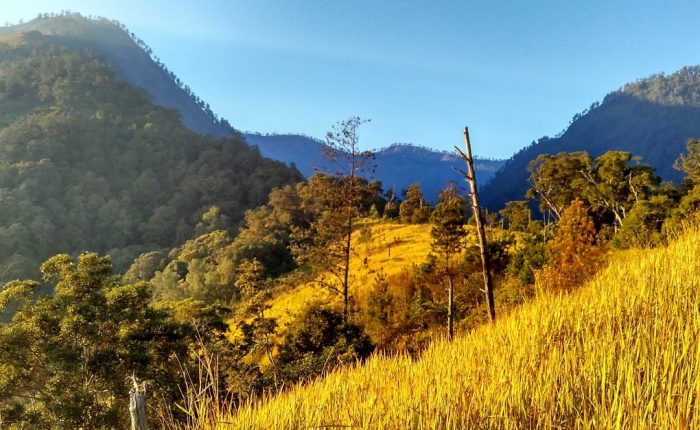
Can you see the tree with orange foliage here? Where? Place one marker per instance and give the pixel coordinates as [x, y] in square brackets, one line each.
[572, 256]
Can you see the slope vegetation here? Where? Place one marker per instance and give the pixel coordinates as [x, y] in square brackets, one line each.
[652, 118]
[385, 248]
[87, 162]
[620, 353]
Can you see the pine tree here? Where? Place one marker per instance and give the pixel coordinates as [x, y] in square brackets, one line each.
[448, 232]
[257, 327]
[414, 209]
[343, 193]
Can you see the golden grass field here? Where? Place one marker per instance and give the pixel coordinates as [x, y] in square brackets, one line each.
[390, 248]
[622, 352]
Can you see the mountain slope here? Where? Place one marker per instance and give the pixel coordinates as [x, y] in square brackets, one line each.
[652, 118]
[620, 353]
[134, 62]
[397, 166]
[112, 43]
[87, 162]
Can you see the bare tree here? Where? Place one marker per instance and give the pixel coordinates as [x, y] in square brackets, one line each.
[470, 176]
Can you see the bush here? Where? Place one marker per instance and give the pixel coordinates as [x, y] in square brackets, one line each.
[318, 341]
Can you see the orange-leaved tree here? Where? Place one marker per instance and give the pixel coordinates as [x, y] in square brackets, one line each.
[572, 255]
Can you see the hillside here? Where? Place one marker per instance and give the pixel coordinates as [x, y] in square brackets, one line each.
[619, 353]
[386, 248]
[652, 118]
[87, 162]
[397, 166]
[133, 62]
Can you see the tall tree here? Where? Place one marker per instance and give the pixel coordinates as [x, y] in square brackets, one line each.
[615, 181]
[572, 256]
[448, 238]
[484, 256]
[257, 327]
[517, 215]
[414, 209]
[554, 180]
[344, 192]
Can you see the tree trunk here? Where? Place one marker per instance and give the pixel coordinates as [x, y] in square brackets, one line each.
[346, 275]
[450, 308]
[470, 175]
[137, 405]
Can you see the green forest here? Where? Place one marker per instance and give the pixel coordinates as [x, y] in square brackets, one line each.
[88, 163]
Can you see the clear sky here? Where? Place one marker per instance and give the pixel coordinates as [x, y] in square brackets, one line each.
[420, 70]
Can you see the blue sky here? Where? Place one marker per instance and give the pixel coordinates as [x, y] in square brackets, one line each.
[420, 70]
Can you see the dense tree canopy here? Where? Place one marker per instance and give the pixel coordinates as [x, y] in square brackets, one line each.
[610, 184]
[88, 163]
[414, 209]
[65, 359]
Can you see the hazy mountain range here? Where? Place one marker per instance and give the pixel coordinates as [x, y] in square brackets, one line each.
[397, 166]
[651, 117]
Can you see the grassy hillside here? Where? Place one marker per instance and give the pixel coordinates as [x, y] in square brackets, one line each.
[380, 247]
[620, 353]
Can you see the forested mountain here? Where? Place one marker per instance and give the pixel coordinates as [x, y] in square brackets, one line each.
[652, 118]
[133, 62]
[397, 166]
[87, 162]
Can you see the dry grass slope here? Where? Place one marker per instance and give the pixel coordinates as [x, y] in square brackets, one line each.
[388, 248]
[620, 353]
[12, 39]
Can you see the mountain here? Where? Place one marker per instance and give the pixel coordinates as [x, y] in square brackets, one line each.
[400, 164]
[397, 166]
[652, 117]
[88, 162]
[133, 62]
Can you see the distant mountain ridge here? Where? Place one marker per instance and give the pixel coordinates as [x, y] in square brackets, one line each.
[136, 63]
[652, 117]
[397, 166]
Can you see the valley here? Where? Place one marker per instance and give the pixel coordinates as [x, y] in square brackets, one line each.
[262, 280]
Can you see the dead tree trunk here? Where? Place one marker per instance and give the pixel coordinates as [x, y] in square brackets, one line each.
[137, 405]
[470, 176]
